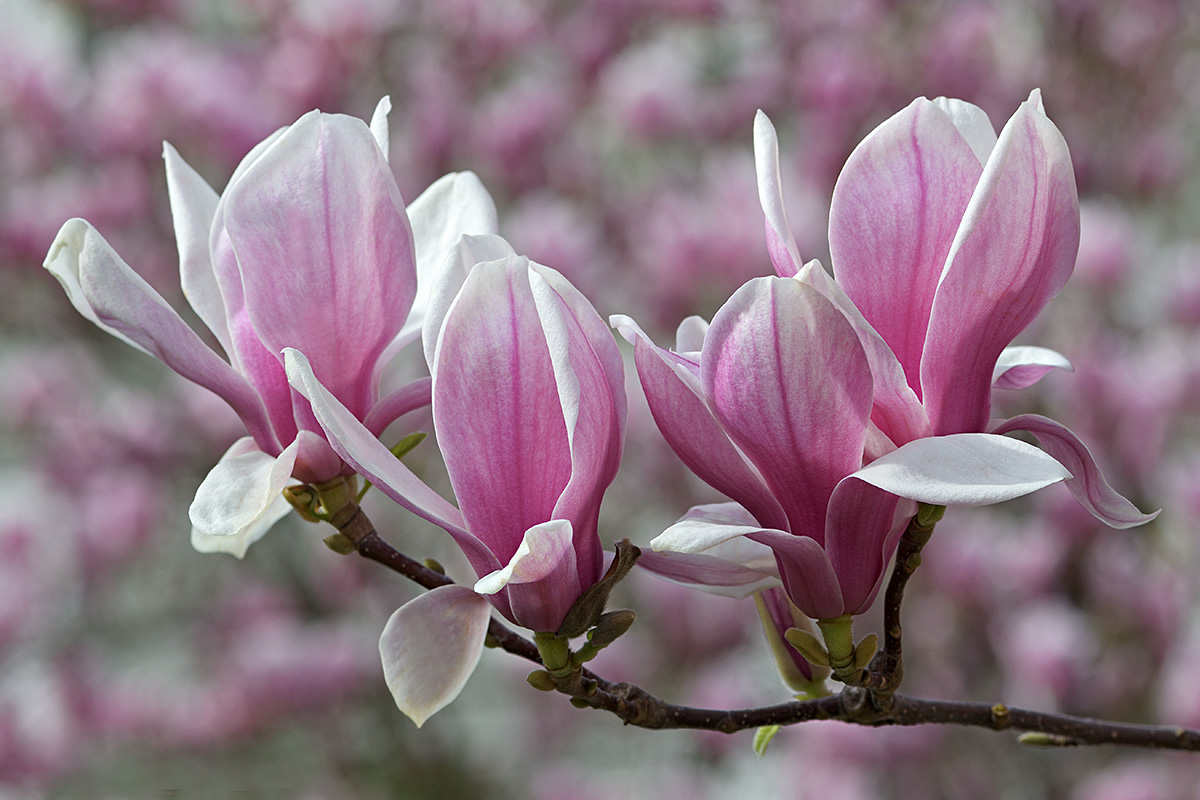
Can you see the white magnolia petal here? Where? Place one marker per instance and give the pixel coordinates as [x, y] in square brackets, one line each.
[1022, 366]
[240, 498]
[781, 244]
[973, 123]
[710, 574]
[193, 207]
[689, 336]
[963, 469]
[698, 534]
[379, 125]
[430, 647]
[540, 553]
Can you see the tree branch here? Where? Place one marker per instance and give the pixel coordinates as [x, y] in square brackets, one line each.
[635, 706]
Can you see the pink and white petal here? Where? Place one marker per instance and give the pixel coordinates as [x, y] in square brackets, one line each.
[709, 573]
[394, 405]
[1023, 366]
[497, 408]
[466, 253]
[689, 336]
[239, 499]
[430, 646]
[541, 578]
[693, 433]
[193, 207]
[453, 206]
[861, 533]
[808, 577]
[106, 291]
[895, 210]
[322, 201]
[359, 448]
[972, 122]
[787, 379]
[963, 469]
[1014, 250]
[379, 125]
[701, 532]
[781, 244]
[1089, 486]
[897, 410]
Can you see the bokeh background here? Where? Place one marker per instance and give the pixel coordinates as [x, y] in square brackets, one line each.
[616, 138]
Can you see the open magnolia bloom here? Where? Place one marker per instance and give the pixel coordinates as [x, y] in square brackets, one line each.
[775, 412]
[824, 410]
[946, 242]
[529, 412]
[309, 246]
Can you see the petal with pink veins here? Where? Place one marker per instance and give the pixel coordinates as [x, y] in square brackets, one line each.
[541, 578]
[430, 647]
[1088, 486]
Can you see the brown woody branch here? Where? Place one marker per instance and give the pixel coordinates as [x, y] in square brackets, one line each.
[875, 705]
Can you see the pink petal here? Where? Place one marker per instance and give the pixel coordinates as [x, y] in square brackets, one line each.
[788, 380]
[106, 291]
[394, 405]
[1088, 486]
[861, 533]
[324, 250]
[541, 579]
[497, 409]
[895, 210]
[781, 244]
[1014, 250]
[469, 251]
[808, 577]
[359, 448]
[693, 433]
[430, 647]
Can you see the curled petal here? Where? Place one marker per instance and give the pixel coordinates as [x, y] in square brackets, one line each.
[781, 244]
[430, 647]
[241, 498]
[106, 291]
[541, 578]
[963, 469]
[1022, 367]
[1088, 484]
[733, 567]
[808, 577]
[861, 533]
[395, 405]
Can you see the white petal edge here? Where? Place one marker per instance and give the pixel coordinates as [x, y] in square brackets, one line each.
[963, 469]
[469, 250]
[972, 122]
[430, 646]
[770, 185]
[540, 553]
[1027, 356]
[379, 125]
[241, 498]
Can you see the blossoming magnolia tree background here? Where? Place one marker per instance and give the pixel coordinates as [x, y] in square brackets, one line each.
[619, 147]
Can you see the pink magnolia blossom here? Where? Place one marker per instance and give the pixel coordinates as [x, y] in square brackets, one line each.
[529, 410]
[824, 409]
[309, 246]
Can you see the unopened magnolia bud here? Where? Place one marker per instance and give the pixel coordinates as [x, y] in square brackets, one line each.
[540, 680]
[610, 626]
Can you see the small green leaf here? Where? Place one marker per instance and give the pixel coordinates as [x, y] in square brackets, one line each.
[807, 645]
[540, 680]
[405, 445]
[339, 543]
[763, 737]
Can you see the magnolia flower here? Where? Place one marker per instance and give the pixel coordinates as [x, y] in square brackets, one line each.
[309, 246]
[824, 413]
[946, 242]
[775, 412]
[529, 412]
